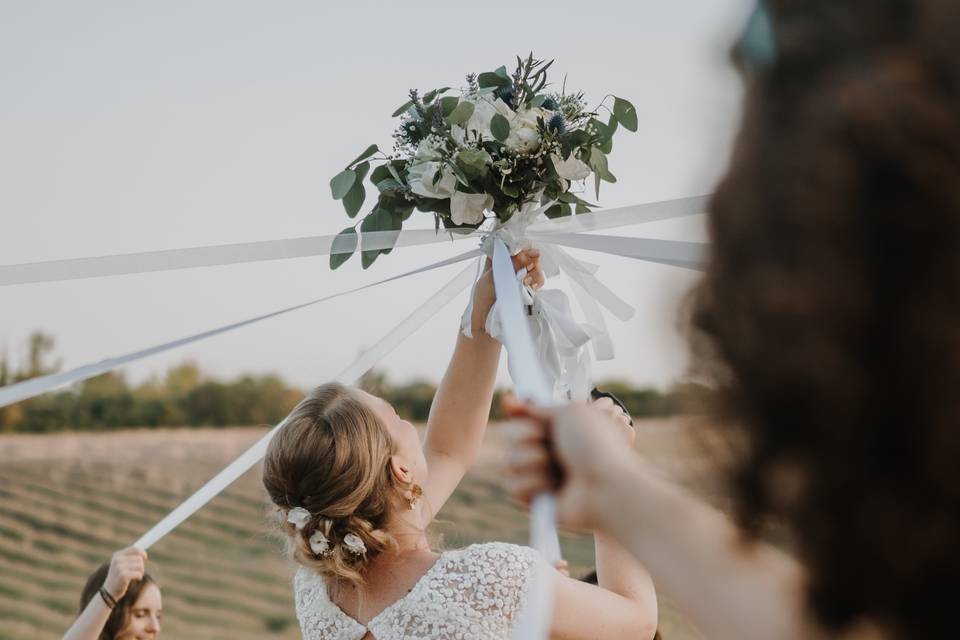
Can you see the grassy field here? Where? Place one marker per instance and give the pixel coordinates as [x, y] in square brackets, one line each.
[68, 500]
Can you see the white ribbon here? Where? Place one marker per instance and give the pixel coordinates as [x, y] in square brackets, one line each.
[36, 386]
[171, 259]
[534, 621]
[688, 255]
[174, 259]
[561, 341]
[622, 216]
[354, 370]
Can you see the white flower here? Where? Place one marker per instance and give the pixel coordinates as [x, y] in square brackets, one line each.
[319, 543]
[298, 517]
[421, 175]
[523, 130]
[354, 544]
[484, 108]
[570, 169]
[468, 208]
[522, 139]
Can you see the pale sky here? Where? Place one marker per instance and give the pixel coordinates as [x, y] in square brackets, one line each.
[132, 126]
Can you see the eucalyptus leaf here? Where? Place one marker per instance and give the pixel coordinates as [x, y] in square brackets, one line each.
[380, 174]
[372, 149]
[612, 124]
[510, 190]
[606, 145]
[538, 100]
[582, 209]
[402, 109]
[474, 163]
[499, 127]
[393, 222]
[626, 113]
[448, 104]
[353, 201]
[361, 170]
[344, 245]
[572, 198]
[388, 184]
[430, 95]
[373, 222]
[341, 183]
[488, 79]
[461, 114]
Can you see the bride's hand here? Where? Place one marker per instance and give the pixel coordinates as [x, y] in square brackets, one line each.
[485, 295]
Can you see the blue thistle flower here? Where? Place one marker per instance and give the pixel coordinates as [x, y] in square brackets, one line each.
[556, 123]
[550, 104]
[506, 94]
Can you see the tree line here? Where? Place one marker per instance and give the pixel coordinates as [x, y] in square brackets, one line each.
[185, 397]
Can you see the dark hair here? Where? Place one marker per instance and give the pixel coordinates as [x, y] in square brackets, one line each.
[119, 616]
[830, 310]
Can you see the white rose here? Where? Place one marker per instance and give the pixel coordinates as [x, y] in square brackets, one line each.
[421, 175]
[524, 135]
[570, 169]
[468, 208]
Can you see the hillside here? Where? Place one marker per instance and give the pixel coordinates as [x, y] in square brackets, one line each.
[68, 500]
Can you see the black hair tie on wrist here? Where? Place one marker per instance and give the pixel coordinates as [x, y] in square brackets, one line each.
[108, 599]
[596, 394]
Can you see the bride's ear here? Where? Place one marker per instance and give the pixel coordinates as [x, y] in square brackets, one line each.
[400, 470]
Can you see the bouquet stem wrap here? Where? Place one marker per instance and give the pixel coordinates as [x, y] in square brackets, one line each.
[560, 340]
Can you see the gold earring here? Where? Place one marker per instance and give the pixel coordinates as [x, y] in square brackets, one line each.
[415, 492]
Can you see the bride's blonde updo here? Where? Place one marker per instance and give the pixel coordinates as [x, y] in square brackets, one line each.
[332, 459]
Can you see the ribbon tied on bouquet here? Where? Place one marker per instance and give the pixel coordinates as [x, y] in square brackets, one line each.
[561, 341]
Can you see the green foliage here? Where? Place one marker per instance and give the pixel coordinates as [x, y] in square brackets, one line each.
[500, 127]
[344, 244]
[625, 113]
[496, 136]
[461, 114]
[341, 183]
[184, 397]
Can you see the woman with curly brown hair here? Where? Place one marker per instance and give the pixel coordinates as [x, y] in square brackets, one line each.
[830, 318]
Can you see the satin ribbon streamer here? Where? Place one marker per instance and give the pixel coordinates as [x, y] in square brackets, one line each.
[529, 382]
[172, 259]
[354, 370]
[35, 386]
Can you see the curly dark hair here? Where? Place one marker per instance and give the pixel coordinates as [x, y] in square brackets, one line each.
[831, 306]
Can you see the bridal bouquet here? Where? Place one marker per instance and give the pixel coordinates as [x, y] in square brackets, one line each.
[487, 150]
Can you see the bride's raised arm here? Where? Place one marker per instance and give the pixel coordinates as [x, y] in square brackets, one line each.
[461, 407]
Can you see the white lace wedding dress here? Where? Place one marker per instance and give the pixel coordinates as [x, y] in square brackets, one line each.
[468, 594]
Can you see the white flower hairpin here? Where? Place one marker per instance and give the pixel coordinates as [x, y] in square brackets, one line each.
[298, 517]
[319, 544]
[354, 544]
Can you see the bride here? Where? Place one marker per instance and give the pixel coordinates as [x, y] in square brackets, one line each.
[356, 492]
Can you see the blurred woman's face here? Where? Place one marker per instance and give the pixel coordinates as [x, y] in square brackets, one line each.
[143, 621]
